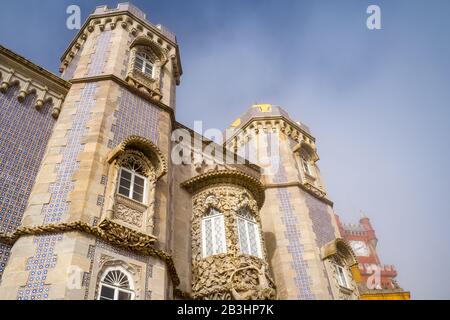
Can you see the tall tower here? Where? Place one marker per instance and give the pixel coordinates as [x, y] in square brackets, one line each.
[301, 234]
[378, 281]
[101, 194]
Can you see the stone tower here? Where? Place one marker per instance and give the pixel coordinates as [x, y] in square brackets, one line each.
[113, 133]
[301, 233]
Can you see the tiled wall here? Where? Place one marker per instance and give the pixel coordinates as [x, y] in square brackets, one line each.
[290, 222]
[69, 72]
[44, 259]
[322, 225]
[101, 54]
[135, 116]
[24, 134]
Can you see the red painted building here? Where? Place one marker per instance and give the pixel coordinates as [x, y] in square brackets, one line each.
[377, 280]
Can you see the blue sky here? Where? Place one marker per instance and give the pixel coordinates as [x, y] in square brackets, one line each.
[377, 101]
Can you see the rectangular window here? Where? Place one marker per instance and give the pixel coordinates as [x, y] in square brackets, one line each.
[342, 279]
[213, 235]
[249, 241]
[144, 66]
[132, 185]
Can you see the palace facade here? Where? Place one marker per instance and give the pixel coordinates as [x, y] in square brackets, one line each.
[92, 205]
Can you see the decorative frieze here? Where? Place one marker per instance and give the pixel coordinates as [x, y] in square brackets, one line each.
[268, 124]
[31, 80]
[129, 211]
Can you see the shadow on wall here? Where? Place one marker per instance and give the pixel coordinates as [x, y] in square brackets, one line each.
[271, 244]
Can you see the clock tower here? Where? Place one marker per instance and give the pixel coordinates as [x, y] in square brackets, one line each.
[377, 280]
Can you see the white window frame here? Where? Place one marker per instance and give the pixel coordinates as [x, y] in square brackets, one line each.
[133, 176]
[145, 62]
[117, 290]
[247, 233]
[342, 277]
[212, 217]
[306, 167]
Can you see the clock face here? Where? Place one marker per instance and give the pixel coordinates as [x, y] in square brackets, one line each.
[360, 247]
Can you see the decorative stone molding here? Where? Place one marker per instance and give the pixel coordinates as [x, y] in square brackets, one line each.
[132, 20]
[339, 253]
[230, 275]
[266, 124]
[316, 191]
[149, 85]
[108, 231]
[31, 80]
[129, 211]
[107, 262]
[235, 177]
[342, 248]
[148, 148]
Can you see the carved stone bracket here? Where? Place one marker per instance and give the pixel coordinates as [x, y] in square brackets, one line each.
[319, 193]
[31, 80]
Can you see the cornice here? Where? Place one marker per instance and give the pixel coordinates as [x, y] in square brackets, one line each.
[131, 88]
[234, 177]
[248, 124]
[124, 18]
[47, 75]
[322, 196]
[227, 153]
[31, 79]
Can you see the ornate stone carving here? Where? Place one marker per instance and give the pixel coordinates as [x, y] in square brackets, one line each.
[144, 157]
[128, 215]
[159, 57]
[338, 252]
[230, 275]
[108, 231]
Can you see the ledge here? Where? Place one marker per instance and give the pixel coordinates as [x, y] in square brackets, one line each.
[235, 177]
[303, 187]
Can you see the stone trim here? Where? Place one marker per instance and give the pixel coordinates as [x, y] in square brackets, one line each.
[148, 148]
[339, 246]
[320, 195]
[132, 88]
[31, 79]
[108, 231]
[234, 177]
[280, 123]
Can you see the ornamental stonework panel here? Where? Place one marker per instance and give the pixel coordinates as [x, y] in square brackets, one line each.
[230, 275]
[128, 215]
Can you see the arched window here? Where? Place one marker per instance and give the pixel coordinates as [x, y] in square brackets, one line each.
[115, 285]
[144, 64]
[213, 233]
[249, 239]
[132, 179]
